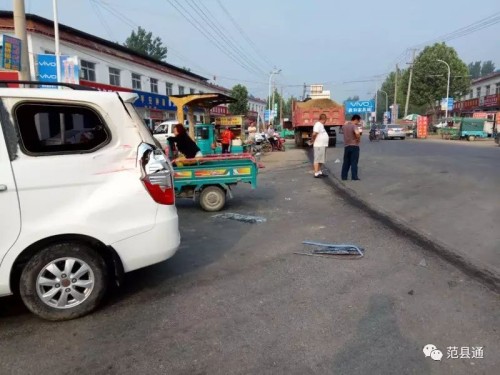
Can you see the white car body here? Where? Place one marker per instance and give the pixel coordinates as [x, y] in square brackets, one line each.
[96, 195]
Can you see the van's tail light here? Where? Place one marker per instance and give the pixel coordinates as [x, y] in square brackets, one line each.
[160, 186]
[156, 175]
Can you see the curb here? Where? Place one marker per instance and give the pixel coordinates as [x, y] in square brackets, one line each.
[476, 270]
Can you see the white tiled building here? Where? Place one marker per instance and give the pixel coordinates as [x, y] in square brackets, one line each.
[110, 66]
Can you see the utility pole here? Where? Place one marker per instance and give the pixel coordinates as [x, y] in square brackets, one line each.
[281, 107]
[395, 109]
[20, 31]
[396, 85]
[304, 92]
[409, 83]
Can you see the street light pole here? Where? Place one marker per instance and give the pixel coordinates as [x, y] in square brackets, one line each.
[56, 40]
[275, 71]
[447, 87]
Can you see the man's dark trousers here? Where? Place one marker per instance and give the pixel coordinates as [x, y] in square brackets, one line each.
[351, 157]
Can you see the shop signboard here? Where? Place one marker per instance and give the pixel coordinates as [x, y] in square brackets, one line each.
[229, 121]
[491, 100]
[11, 53]
[422, 126]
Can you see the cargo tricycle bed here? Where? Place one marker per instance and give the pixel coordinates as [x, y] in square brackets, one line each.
[211, 178]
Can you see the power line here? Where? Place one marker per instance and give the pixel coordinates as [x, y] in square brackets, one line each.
[245, 36]
[218, 29]
[207, 34]
[228, 34]
[132, 24]
[97, 11]
[466, 30]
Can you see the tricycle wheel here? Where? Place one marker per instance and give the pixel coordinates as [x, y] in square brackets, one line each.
[471, 138]
[212, 198]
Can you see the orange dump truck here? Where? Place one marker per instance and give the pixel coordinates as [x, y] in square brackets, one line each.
[306, 113]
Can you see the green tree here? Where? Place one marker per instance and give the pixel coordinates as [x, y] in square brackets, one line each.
[430, 76]
[354, 98]
[240, 107]
[144, 42]
[475, 69]
[488, 67]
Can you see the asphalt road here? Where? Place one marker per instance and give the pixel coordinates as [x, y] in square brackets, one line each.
[446, 189]
[237, 300]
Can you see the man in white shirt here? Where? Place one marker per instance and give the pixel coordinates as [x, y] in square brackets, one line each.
[320, 143]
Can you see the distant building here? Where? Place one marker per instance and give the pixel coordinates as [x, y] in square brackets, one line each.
[482, 100]
[110, 66]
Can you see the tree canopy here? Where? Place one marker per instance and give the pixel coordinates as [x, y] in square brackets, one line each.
[240, 107]
[478, 69]
[430, 75]
[144, 42]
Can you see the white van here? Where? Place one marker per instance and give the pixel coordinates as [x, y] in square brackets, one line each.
[84, 196]
[164, 130]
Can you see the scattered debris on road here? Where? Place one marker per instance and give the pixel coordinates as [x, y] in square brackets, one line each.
[411, 292]
[423, 263]
[337, 161]
[329, 250]
[239, 217]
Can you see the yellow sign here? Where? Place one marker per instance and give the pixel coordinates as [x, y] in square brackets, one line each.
[229, 121]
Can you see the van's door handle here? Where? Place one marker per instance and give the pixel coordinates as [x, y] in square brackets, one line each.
[3, 188]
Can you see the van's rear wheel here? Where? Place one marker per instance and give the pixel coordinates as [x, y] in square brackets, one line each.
[64, 281]
[212, 198]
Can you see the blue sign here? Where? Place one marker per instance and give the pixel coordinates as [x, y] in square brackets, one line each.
[360, 106]
[11, 53]
[153, 101]
[267, 115]
[450, 101]
[47, 69]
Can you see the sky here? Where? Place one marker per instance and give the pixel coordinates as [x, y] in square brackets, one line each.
[316, 41]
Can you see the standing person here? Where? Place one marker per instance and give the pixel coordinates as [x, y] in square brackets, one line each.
[320, 143]
[351, 150]
[227, 138]
[252, 130]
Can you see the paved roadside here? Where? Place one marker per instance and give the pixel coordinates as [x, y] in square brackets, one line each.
[446, 191]
[236, 299]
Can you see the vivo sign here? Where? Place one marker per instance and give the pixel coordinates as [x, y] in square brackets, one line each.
[361, 106]
[47, 69]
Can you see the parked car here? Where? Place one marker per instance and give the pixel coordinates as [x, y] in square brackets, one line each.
[84, 196]
[392, 131]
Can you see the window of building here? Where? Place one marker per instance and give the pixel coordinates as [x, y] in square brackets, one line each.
[192, 91]
[497, 89]
[136, 81]
[478, 92]
[87, 71]
[471, 94]
[168, 90]
[181, 90]
[154, 85]
[47, 128]
[487, 90]
[114, 76]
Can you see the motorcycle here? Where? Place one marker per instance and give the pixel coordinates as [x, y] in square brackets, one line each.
[374, 135]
